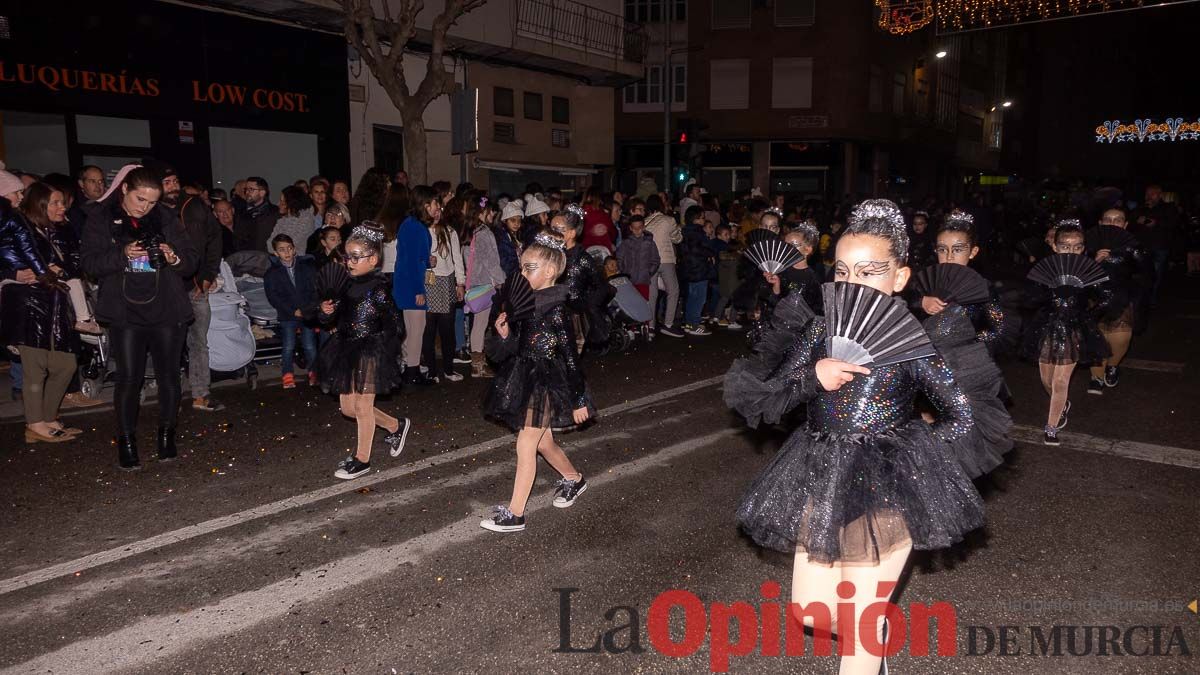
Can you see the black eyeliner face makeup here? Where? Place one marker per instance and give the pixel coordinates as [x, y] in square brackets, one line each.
[870, 268]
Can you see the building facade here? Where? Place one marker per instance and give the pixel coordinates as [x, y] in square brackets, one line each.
[809, 98]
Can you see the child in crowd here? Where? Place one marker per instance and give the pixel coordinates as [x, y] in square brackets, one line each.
[728, 257]
[697, 265]
[637, 255]
[540, 386]
[359, 361]
[291, 289]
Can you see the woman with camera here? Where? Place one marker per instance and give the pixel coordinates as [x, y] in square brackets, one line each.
[140, 256]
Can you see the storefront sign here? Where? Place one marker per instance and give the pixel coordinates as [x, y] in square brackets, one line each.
[55, 78]
[219, 93]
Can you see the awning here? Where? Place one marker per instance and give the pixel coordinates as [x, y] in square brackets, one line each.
[514, 167]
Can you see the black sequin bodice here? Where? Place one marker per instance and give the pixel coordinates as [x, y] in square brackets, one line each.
[366, 309]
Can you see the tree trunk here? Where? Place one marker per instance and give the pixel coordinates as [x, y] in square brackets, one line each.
[416, 149]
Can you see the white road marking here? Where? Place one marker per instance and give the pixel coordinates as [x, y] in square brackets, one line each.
[1146, 452]
[215, 524]
[171, 634]
[1156, 366]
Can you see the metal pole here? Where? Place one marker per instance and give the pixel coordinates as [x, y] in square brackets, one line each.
[666, 94]
[462, 128]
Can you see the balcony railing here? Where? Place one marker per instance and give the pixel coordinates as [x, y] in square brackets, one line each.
[578, 26]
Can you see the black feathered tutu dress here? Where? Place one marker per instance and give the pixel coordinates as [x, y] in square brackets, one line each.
[1064, 330]
[861, 478]
[983, 447]
[539, 382]
[360, 356]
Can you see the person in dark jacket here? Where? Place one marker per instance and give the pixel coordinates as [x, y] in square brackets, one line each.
[36, 318]
[637, 256]
[587, 292]
[508, 238]
[698, 264]
[140, 256]
[201, 227]
[253, 223]
[291, 286]
[90, 181]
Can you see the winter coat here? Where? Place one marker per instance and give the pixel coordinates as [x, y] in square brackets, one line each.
[699, 261]
[510, 254]
[638, 257]
[205, 233]
[666, 233]
[127, 297]
[299, 227]
[486, 268]
[252, 225]
[598, 229]
[32, 315]
[413, 244]
[287, 297]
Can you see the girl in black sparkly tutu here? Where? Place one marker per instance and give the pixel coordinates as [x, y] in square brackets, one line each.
[1064, 332]
[963, 334]
[1121, 256]
[359, 360]
[863, 482]
[539, 386]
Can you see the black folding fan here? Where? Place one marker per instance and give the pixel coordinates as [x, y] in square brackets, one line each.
[1109, 237]
[952, 283]
[332, 280]
[1067, 269]
[760, 234]
[773, 255]
[869, 328]
[516, 298]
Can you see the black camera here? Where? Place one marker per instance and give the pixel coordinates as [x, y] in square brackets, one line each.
[150, 242]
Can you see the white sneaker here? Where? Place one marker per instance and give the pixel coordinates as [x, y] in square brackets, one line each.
[733, 325]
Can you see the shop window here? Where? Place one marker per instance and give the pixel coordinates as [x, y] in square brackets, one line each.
[533, 106]
[502, 102]
[729, 86]
[93, 130]
[278, 156]
[560, 110]
[35, 142]
[791, 82]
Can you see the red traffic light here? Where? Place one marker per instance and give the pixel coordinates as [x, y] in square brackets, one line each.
[683, 137]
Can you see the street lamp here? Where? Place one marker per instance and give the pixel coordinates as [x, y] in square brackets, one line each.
[1007, 104]
[941, 54]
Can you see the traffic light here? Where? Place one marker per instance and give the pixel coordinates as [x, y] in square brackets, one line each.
[682, 138]
[681, 175]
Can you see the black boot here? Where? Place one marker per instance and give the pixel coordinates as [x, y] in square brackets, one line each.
[127, 455]
[166, 444]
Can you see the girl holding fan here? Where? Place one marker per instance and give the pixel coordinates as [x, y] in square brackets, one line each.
[539, 386]
[862, 483]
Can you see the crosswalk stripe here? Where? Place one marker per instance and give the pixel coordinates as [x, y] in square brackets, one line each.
[1146, 452]
[215, 524]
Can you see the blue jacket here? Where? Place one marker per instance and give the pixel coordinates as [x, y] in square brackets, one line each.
[413, 245]
[510, 262]
[287, 297]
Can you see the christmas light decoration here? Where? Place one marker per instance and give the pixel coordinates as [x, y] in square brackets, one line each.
[1142, 130]
[904, 16]
[963, 15]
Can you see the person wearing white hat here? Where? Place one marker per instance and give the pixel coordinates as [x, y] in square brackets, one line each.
[11, 187]
[508, 237]
[537, 207]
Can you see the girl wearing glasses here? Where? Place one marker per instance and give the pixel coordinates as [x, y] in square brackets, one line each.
[359, 360]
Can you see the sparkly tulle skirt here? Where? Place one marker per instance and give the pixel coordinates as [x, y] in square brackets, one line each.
[1061, 337]
[366, 366]
[854, 498]
[531, 392]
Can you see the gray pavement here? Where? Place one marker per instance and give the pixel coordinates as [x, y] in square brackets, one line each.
[248, 556]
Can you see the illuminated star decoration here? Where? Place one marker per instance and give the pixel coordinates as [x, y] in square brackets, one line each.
[904, 16]
[1142, 130]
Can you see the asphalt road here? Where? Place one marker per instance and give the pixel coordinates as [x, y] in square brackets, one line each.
[248, 556]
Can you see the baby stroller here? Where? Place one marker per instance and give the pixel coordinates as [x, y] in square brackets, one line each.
[630, 314]
[231, 344]
[249, 268]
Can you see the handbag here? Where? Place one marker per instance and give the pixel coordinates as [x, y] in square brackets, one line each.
[478, 299]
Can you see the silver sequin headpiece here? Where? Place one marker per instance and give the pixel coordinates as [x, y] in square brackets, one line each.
[961, 217]
[878, 209]
[543, 239]
[809, 231]
[1069, 223]
[575, 210]
[368, 230]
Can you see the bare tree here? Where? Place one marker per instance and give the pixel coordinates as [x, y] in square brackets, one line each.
[381, 40]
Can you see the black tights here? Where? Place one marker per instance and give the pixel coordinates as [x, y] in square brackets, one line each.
[129, 347]
[438, 325]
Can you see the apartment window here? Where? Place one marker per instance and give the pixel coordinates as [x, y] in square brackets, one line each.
[731, 14]
[791, 82]
[560, 138]
[641, 11]
[502, 102]
[649, 89]
[729, 84]
[899, 92]
[560, 110]
[792, 13]
[679, 84]
[875, 90]
[654, 85]
[504, 132]
[533, 106]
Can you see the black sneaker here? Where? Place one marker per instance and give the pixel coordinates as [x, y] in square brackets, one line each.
[1051, 436]
[1111, 376]
[1096, 386]
[1062, 419]
[463, 356]
[671, 331]
[395, 440]
[503, 521]
[351, 468]
[567, 491]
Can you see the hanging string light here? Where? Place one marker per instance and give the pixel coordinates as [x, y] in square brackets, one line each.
[958, 15]
[1146, 129]
[904, 16]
